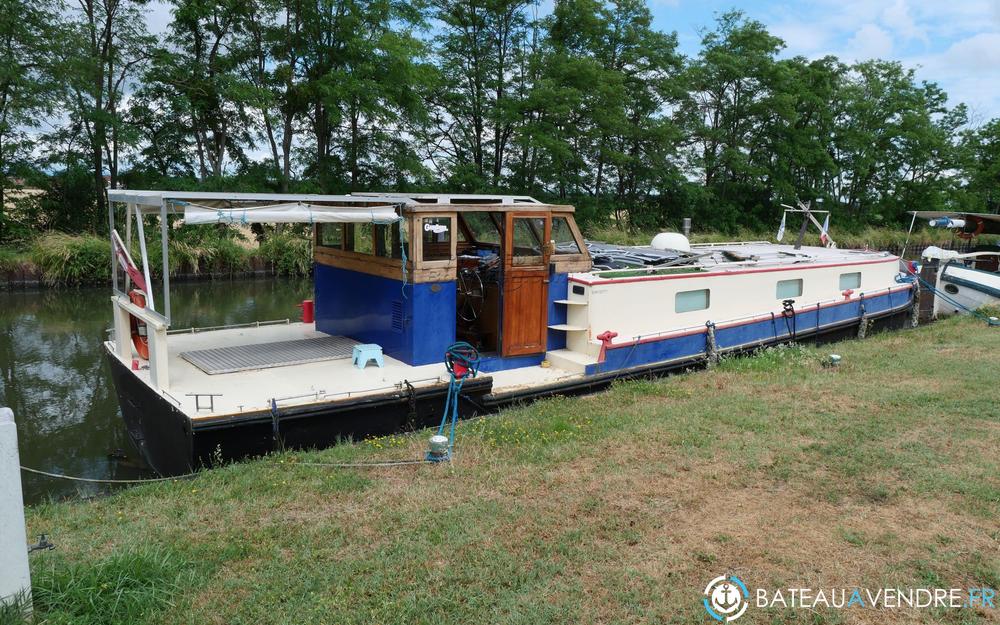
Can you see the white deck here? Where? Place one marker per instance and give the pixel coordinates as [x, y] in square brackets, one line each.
[250, 391]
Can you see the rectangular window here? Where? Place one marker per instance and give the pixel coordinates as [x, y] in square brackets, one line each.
[435, 233]
[788, 289]
[563, 236]
[387, 240]
[527, 241]
[358, 238]
[687, 301]
[331, 235]
[850, 280]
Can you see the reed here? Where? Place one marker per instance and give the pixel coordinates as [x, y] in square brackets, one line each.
[72, 259]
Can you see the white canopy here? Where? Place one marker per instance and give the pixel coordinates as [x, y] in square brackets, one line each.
[291, 212]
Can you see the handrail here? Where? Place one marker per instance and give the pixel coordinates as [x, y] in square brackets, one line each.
[250, 324]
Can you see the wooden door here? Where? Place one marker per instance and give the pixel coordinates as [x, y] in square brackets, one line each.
[525, 283]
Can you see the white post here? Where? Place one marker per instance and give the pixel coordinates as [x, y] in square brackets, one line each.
[15, 578]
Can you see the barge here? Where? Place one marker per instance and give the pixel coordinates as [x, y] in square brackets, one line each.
[409, 275]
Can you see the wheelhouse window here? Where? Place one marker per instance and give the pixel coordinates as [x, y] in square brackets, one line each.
[358, 238]
[850, 280]
[482, 226]
[387, 241]
[788, 289]
[526, 242]
[688, 301]
[562, 234]
[435, 233]
[331, 235]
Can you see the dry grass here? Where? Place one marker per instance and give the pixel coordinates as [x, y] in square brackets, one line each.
[612, 508]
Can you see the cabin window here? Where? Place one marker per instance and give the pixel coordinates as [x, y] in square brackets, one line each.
[435, 233]
[688, 301]
[526, 240]
[562, 234]
[331, 235]
[358, 238]
[850, 280]
[387, 241]
[788, 289]
[482, 227]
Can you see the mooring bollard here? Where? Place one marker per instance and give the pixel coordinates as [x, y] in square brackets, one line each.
[15, 578]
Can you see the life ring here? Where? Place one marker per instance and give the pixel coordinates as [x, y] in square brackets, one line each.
[140, 338]
[980, 225]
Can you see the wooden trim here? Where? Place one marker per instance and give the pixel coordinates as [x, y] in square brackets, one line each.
[418, 241]
[571, 263]
[364, 263]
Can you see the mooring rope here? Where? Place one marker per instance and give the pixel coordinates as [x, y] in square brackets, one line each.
[92, 480]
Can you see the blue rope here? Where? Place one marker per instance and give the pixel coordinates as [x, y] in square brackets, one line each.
[467, 357]
[951, 301]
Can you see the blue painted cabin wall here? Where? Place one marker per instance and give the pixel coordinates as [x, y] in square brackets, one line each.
[416, 329]
[747, 334]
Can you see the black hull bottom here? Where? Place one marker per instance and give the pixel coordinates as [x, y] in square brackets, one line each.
[174, 445]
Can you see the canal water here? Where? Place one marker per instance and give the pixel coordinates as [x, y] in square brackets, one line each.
[54, 376]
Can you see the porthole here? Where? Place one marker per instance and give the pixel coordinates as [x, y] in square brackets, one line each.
[951, 288]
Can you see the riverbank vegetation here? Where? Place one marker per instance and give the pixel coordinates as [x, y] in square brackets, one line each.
[59, 259]
[586, 103]
[615, 507]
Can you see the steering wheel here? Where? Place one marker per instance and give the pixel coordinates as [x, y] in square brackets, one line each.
[472, 294]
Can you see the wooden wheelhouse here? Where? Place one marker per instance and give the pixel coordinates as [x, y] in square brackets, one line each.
[477, 268]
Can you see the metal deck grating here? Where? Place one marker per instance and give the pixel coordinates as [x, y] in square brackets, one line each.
[268, 355]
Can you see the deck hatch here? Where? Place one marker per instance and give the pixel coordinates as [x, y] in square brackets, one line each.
[269, 355]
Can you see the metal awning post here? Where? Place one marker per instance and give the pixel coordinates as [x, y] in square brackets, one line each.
[164, 250]
[145, 260]
[114, 260]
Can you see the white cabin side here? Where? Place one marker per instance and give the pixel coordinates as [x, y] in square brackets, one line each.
[643, 306]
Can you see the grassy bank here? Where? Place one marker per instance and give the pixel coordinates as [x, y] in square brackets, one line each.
[60, 259]
[612, 508]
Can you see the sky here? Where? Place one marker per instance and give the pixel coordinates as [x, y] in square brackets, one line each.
[955, 43]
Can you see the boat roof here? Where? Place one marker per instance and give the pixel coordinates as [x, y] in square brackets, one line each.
[722, 257]
[151, 201]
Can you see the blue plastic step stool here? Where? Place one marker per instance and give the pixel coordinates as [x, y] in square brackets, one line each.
[366, 352]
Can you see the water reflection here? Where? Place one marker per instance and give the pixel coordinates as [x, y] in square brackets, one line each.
[53, 375]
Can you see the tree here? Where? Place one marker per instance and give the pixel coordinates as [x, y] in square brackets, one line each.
[728, 116]
[981, 167]
[473, 118]
[26, 86]
[105, 45]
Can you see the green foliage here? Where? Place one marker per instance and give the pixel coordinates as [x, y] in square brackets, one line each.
[288, 254]
[10, 260]
[131, 585]
[72, 259]
[589, 105]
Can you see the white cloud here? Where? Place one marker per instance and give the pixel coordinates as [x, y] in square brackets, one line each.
[803, 38]
[897, 17]
[869, 42]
